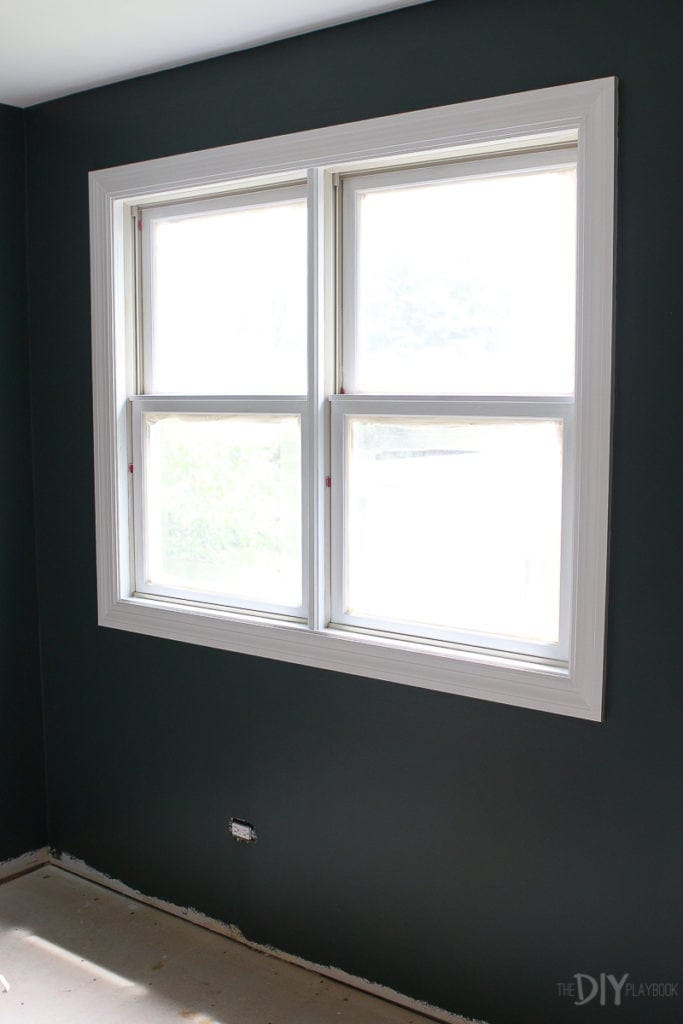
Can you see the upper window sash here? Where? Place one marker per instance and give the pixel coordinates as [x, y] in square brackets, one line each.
[506, 244]
[237, 266]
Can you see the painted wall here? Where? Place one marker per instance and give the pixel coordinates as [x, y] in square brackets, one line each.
[22, 798]
[466, 853]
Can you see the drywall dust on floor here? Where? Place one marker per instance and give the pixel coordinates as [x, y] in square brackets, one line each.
[72, 952]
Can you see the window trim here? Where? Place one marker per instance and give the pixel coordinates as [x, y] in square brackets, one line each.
[582, 113]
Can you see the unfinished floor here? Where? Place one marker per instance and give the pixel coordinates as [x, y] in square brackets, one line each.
[72, 952]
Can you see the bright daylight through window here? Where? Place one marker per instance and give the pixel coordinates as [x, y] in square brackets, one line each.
[353, 411]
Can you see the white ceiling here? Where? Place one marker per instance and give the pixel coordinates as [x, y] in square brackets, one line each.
[51, 48]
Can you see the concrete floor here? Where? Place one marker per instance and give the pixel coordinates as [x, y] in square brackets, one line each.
[75, 953]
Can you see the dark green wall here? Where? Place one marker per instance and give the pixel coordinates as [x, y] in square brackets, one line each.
[466, 853]
[22, 798]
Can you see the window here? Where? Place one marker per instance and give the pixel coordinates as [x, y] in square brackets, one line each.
[458, 282]
[352, 396]
[219, 512]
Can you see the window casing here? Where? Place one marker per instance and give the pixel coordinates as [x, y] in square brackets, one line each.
[497, 466]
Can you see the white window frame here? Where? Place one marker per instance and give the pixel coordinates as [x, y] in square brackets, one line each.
[581, 115]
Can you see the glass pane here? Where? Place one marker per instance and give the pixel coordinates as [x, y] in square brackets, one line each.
[224, 505]
[229, 302]
[456, 524]
[468, 287]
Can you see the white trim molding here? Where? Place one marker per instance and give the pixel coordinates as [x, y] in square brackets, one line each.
[580, 115]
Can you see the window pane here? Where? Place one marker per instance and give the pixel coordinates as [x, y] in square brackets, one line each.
[455, 524]
[224, 505]
[468, 287]
[229, 302]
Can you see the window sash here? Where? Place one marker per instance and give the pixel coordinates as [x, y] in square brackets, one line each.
[242, 200]
[192, 404]
[545, 408]
[353, 186]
